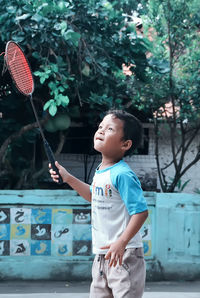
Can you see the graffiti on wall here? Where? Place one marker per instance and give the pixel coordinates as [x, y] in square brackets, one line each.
[52, 232]
[45, 232]
[146, 235]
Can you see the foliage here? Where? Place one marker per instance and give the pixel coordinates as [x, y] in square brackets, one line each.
[172, 91]
[79, 47]
[76, 50]
[197, 191]
[180, 186]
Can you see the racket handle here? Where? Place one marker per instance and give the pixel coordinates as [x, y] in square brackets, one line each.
[51, 159]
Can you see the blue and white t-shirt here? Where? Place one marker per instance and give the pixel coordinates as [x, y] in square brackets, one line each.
[116, 196]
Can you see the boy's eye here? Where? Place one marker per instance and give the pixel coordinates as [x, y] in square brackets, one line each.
[110, 128]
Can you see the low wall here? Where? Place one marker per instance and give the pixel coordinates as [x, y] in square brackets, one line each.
[46, 234]
[177, 236]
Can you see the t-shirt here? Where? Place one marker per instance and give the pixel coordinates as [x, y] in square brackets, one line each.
[116, 196]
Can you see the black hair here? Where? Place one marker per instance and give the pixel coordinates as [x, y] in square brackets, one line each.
[132, 128]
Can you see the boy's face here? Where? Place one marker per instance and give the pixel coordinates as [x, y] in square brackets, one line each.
[109, 137]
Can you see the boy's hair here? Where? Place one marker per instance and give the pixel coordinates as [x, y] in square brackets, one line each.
[132, 128]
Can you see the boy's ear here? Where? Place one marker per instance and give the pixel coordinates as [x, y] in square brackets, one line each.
[127, 145]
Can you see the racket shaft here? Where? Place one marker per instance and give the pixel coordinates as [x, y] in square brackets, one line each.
[51, 159]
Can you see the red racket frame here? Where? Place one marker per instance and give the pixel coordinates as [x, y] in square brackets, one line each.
[20, 71]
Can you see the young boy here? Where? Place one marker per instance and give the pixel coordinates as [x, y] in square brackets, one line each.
[119, 210]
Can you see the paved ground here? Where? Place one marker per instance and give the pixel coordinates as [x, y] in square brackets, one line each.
[61, 289]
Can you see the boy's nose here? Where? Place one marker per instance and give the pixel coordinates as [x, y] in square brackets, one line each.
[102, 131]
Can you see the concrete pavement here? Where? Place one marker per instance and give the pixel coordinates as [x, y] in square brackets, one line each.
[61, 289]
[86, 295]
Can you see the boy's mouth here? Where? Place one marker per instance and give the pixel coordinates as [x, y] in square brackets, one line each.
[98, 139]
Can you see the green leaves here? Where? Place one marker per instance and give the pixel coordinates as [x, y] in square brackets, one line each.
[44, 75]
[173, 84]
[52, 108]
[72, 36]
[23, 17]
[52, 104]
[67, 33]
[57, 84]
[76, 50]
[161, 66]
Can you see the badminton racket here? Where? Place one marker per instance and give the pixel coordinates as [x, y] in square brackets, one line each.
[22, 77]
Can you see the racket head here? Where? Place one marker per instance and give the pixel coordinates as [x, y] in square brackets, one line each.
[19, 68]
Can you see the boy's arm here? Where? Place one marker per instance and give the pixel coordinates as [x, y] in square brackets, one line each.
[82, 188]
[116, 249]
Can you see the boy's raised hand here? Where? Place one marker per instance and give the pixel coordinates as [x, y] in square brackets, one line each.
[62, 171]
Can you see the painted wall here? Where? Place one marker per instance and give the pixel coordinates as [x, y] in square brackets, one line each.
[46, 234]
[177, 237]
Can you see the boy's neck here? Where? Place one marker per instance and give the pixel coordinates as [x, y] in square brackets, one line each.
[106, 162]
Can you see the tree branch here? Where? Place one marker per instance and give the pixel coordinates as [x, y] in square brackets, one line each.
[17, 135]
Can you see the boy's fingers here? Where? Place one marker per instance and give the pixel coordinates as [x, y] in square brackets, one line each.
[54, 175]
[120, 260]
[57, 164]
[107, 256]
[113, 260]
[105, 247]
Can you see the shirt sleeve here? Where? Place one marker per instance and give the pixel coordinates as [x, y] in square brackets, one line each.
[129, 188]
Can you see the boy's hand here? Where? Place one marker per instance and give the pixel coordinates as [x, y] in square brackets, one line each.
[62, 171]
[115, 253]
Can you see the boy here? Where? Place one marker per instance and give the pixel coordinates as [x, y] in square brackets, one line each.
[118, 210]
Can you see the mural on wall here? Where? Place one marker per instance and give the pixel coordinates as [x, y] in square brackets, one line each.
[45, 232]
[55, 232]
[146, 235]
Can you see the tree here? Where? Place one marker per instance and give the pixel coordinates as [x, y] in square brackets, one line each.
[76, 50]
[173, 89]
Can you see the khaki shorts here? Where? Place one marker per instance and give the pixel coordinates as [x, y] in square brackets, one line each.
[125, 281]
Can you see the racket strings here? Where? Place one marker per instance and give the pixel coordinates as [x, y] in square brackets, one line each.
[19, 69]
